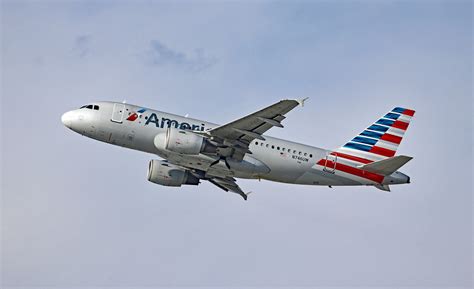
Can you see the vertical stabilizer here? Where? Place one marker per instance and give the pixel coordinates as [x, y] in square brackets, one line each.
[380, 140]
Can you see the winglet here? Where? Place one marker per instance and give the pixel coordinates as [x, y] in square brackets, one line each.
[302, 100]
[245, 195]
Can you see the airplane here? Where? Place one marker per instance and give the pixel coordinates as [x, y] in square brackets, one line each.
[193, 150]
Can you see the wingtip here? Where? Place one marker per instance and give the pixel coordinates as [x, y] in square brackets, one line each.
[301, 101]
[245, 195]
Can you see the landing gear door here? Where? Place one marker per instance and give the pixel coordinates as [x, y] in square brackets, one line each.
[330, 163]
[117, 114]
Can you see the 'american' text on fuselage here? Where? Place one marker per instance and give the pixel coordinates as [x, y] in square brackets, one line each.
[166, 122]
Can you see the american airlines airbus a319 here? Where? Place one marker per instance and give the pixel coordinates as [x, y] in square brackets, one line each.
[193, 150]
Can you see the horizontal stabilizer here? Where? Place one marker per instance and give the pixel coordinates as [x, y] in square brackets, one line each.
[386, 167]
[385, 188]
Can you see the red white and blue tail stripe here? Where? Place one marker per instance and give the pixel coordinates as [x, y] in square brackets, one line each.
[380, 140]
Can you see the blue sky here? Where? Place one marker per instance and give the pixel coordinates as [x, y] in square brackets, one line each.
[78, 213]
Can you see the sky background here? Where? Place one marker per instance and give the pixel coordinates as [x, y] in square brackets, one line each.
[79, 213]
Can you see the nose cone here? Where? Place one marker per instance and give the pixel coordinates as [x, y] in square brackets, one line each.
[66, 119]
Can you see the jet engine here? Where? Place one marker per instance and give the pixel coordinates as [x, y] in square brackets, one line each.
[184, 142]
[163, 173]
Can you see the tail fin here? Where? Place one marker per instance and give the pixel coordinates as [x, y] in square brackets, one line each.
[380, 140]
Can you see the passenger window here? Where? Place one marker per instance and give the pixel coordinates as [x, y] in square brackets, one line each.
[299, 153]
[305, 154]
[96, 107]
[267, 145]
[273, 147]
[261, 144]
[289, 150]
[310, 155]
[278, 148]
[256, 143]
[294, 151]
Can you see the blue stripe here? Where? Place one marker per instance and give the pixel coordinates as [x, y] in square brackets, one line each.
[371, 134]
[365, 140]
[392, 115]
[386, 122]
[399, 109]
[142, 110]
[357, 146]
[378, 128]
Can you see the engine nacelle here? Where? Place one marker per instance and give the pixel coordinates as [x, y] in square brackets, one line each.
[184, 142]
[163, 173]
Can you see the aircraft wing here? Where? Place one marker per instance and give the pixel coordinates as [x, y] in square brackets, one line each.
[228, 184]
[239, 133]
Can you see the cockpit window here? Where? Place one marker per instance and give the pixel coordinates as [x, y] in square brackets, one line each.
[90, 106]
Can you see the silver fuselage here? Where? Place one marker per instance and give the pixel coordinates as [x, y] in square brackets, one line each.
[287, 161]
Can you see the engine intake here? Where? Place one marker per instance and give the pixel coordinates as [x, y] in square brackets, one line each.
[184, 142]
[163, 173]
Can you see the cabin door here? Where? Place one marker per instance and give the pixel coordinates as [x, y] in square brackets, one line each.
[117, 114]
[330, 163]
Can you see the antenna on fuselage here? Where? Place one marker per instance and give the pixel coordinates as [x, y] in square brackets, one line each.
[124, 101]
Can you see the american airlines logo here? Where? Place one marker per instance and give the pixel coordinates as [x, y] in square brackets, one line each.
[167, 122]
[135, 115]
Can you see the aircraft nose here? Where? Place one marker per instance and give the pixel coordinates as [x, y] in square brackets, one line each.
[66, 119]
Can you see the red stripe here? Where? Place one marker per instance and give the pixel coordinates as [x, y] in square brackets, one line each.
[409, 112]
[391, 138]
[353, 171]
[354, 158]
[400, 124]
[382, 151]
